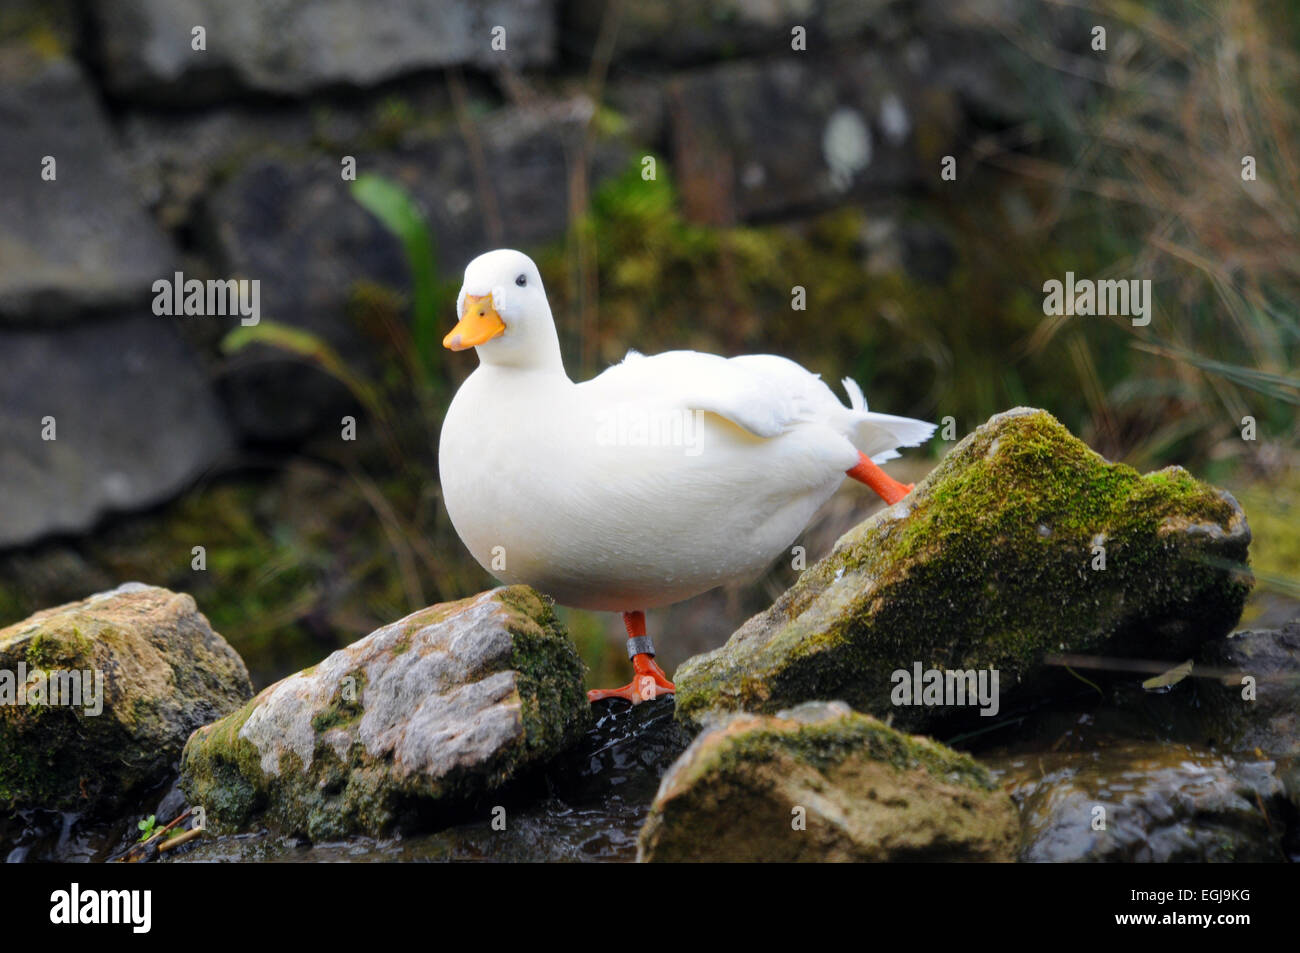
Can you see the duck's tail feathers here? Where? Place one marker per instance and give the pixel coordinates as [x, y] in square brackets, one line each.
[878, 435]
[856, 399]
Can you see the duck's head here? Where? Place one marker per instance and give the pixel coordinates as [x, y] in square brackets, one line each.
[504, 313]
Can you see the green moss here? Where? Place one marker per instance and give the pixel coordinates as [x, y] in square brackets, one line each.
[890, 326]
[826, 745]
[45, 651]
[550, 672]
[46, 30]
[342, 711]
[222, 772]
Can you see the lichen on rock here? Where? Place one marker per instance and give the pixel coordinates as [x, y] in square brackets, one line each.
[823, 783]
[159, 672]
[447, 703]
[991, 563]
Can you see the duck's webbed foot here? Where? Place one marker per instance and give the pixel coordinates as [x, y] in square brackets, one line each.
[649, 681]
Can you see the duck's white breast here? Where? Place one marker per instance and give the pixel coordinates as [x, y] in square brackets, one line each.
[621, 507]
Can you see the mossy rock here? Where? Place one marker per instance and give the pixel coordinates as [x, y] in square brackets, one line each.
[989, 564]
[148, 656]
[427, 712]
[824, 783]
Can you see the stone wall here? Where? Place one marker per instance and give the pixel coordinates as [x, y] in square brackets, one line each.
[225, 162]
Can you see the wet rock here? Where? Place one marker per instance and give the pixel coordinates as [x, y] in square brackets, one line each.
[1254, 703]
[80, 241]
[290, 47]
[1158, 803]
[867, 793]
[1251, 705]
[147, 656]
[133, 422]
[429, 711]
[988, 565]
[624, 755]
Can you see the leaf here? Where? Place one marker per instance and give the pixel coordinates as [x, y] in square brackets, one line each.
[399, 213]
[309, 347]
[315, 350]
[146, 827]
[1277, 386]
[1169, 678]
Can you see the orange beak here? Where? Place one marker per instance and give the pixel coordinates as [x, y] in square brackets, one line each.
[479, 322]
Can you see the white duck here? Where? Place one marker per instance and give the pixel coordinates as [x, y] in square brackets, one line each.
[653, 482]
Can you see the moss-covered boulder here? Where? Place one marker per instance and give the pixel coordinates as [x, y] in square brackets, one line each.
[98, 697]
[823, 783]
[993, 562]
[429, 711]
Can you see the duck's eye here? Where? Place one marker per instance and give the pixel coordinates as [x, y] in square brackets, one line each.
[521, 281]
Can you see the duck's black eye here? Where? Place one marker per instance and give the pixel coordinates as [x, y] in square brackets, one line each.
[521, 281]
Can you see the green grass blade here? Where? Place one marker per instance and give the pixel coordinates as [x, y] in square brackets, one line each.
[398, 211]
[310, 348]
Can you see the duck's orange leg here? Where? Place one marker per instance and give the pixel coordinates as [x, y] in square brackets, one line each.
[885, 486]
[649, 680]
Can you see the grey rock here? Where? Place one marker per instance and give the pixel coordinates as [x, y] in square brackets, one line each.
[755, 140]
[291, 47]
[174, 159]
[134, 419]
[447, 703]
[683, 32]
[79, 242]
[1162, 803]
[1264, 714]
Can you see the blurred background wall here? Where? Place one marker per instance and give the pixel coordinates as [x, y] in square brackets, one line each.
[774, 167]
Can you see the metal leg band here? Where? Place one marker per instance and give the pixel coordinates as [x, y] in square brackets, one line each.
[640, 645]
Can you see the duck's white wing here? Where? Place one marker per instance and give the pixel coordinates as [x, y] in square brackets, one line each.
[691, 380]
[765, 394]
